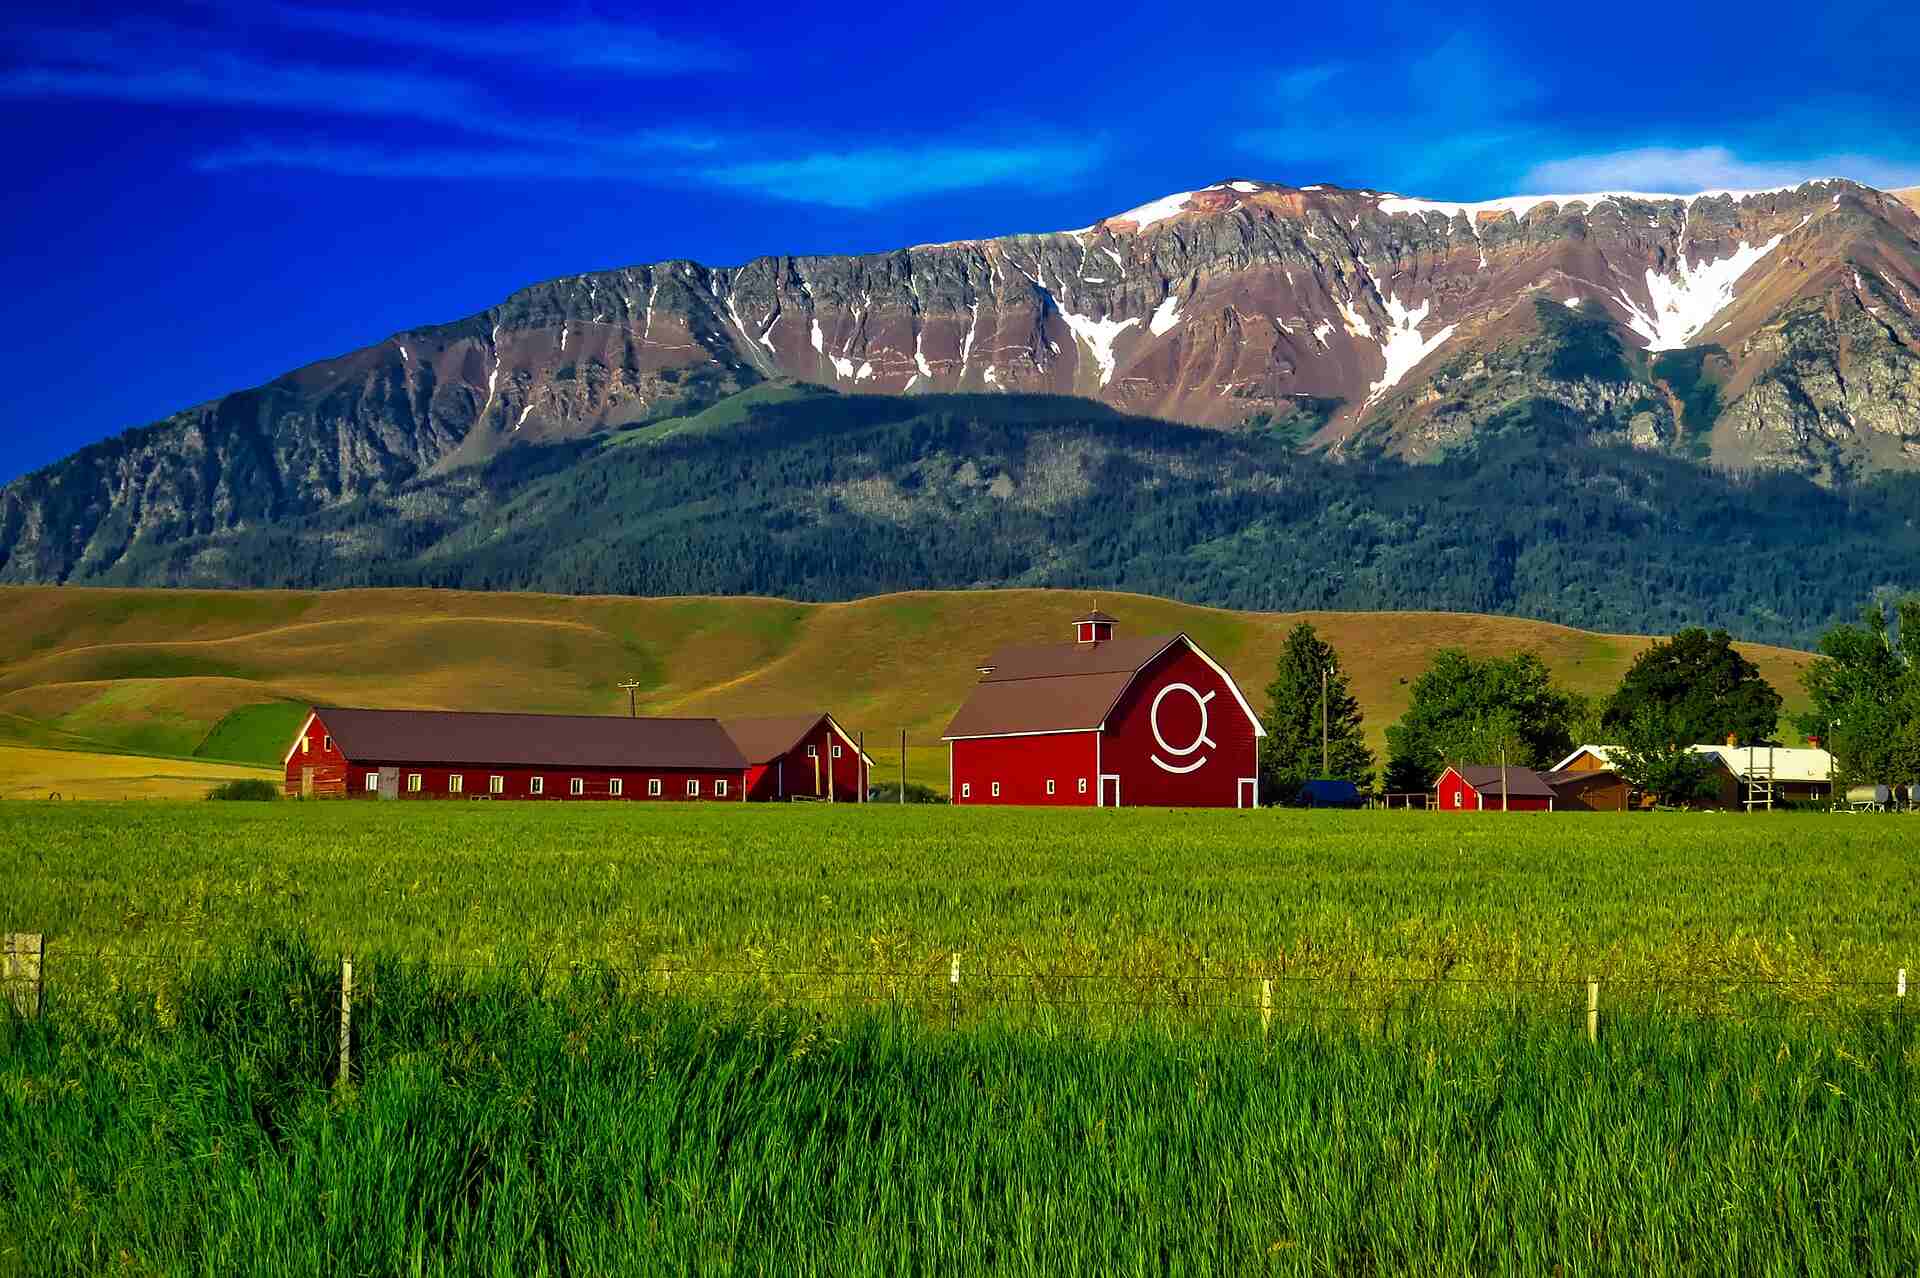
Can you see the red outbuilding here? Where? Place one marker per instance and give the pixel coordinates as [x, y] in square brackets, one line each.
[439, 754]
[807, 756]
[1106, 721]
[1479, 788]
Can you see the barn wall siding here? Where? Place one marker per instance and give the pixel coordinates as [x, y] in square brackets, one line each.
[1023, 766]
[1130, 747]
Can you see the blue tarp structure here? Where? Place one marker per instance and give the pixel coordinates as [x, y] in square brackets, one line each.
[1330, 794]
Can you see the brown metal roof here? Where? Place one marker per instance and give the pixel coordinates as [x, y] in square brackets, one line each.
[1579, 776]
[1055, 688]
[1522, 783]
[765, 739]
[1097, 615]
[529, 740]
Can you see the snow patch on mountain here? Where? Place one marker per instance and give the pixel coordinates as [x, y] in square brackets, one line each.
[1165, 316]
[1520, 205]
[1681, 304]
[1402, 345]
[1156, 211]
[1357, 325]
[1099, 336]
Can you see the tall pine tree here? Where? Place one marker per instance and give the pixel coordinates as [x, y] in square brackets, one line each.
[1290, 752]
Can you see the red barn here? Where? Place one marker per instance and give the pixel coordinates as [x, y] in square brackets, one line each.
[1105, 721]
[800, 757]
[1475, 788]
[439, 754]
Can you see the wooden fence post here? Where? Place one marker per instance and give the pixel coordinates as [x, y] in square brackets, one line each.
[953, 992]
[20, 972]
[1593, 1011]
[344, 1081]
[1900, 983]
[1266, 1006]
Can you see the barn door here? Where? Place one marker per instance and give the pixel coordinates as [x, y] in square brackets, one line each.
[389, 783]
[306, 783]
[1109, 790]
[1246, 794]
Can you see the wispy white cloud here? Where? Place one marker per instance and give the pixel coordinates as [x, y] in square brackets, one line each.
[864, 177]
[852, 178]
[1298, 84]
[1705, 168]
[629, 48]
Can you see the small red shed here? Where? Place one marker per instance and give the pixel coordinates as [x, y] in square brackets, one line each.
[1479, 788]
[808, 756]
[1105, 721]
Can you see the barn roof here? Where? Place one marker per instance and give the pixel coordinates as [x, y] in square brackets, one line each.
[1065, 687]
[766, 738]
[1586, 776]
[1095, 615]
[528, 740]
[1522, 783]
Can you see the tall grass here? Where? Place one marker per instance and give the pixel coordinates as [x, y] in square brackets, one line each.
[515, 1121]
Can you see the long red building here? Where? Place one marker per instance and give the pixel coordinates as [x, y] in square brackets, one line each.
[441, 754]
[1106, 722]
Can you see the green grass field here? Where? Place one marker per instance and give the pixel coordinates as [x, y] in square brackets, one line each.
[624, 1039]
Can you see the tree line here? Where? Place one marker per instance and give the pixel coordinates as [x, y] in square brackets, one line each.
[1693, 688]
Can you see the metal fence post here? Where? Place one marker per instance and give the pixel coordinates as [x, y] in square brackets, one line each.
[20, 970]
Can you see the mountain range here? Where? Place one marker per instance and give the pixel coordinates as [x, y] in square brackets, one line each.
[1742, 334]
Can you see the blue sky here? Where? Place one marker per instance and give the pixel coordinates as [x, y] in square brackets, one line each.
[204, 195]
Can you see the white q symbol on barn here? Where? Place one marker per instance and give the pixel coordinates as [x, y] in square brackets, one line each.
[1200, 739]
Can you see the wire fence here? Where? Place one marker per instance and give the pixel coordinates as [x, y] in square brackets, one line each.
[955, 988]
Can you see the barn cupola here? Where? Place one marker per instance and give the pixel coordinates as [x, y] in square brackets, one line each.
[1094, 627]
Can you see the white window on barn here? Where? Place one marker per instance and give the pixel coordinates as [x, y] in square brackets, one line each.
[1049, 785]
[306, 745]
[537, 785]
[996, 789]
[326, 743]
[720, 789]
[693, 789]
[577, 786]
[836, 751]
[456, 783]
[614, 787]
[1083, 785]
[653, 787]
[966, 789]
[373, 782]
[813, 752]
[413, 783]
[496, 785]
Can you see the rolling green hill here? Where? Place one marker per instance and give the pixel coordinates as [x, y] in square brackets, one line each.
[227, 674]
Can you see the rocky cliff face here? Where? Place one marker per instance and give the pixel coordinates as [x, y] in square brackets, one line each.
[1775, 329]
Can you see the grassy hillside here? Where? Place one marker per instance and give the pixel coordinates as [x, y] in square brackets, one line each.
[28, 773]
[226, 674]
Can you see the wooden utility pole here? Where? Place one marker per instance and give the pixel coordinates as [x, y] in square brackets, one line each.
[632, 686]
[903, 765]
[860, 764]
[1503, 778]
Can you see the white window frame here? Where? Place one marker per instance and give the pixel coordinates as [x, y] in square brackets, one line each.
[373, 782]
[720, 788]
[496, 785]
[306, 744]
[414, 782]
[326, 742]
[577, 786]
[836, 750]
[457, 783]
[615, 788]
[693, 787]
[813, 752]
[1083, 785]
[536, 785]
[653, 787]
[966, 789]
[996, 789]
[1049, 785]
